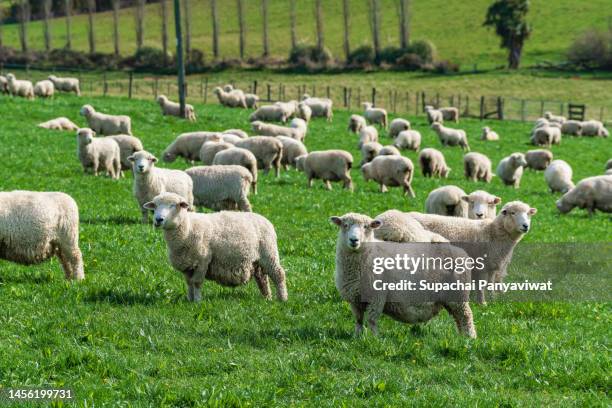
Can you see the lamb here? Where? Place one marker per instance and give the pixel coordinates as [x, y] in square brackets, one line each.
[591, 193]
[105, 124]
[594, 128]
[554, 118]
[297, 129]
[44, 89]
[36, 226]
[221, 187]
[392, 171]
[366, 135]
[546, 135]
[98, 152]
[501, 235]
[60, 123]
[3, 85]
[481, 205]
[174, 109]
[488, 134]
[251, 100]
[66, 84]
[240, 157]
[389, 151]
[292, 149]
[433, 164]
[433, 115]
[327, 165]
[571, 127]
[18, 87]
[356, 123]
[369, 151]
[268, 151]
[188, 146]
[351, 254]
[450, 113]
[303, 112]
[397, 126]
[451, 137]
[237, 132]
[210, 149]
[320, 107]
[558, 176]
[477, 167]
[408, 139]
[447, 200]
[233, 99]
[538, 159]
[226, 247]
[510, 169]
[128, 145]
[269, 113]
[375, 115]
[150, 181]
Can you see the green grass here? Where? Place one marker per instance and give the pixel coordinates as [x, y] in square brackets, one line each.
[127, 336]
[455, 27]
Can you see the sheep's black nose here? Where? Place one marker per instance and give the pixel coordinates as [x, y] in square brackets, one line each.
[526, 227]
[479, 215]
[158, 220]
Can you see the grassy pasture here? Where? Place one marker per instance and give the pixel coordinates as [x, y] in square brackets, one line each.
[127, 336]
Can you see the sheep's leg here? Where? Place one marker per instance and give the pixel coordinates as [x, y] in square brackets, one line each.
[358, 311]
[244, 204]
[408, 190]
[72, 261]
[374, 310]
[328, 185]
[254, 185]
[310, 181]
[348, 183]
[480, 297]
[383, 188]
[270, 266]
[262, 283]
[95, 166]
[462, 313]
[195, 283]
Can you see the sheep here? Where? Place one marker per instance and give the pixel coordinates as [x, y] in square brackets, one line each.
[66, 84]
[210, 149]
[554, 118]
[408, 139]
[174, 109]
[251, 100]
[591, 193]
[221, 187]
[369, 151]
[375, 115]
[477, 167]
[289, 108]
[188, 146]
[539, 123]
[356, 123]
[269, 113]
[297, 129]
[226, 247]
[510, 169]
[450, 113]
[433, 115]
[481, 205]
[366, 135]
[292, 149]
[105, 124]
[3, 85]
[594, 128]
[44, 89]
[447, 200]
[98, 152]
[18, 87]
[36, 226]
[233, 99]
[389, 150]
[240, 157]
[399, 227]
[501, 235]
[150, 181]
[327, 165]
[303, 112]
[60, 123]
[488, 134]
[128, 145]
[230, 138]
[538, 159]
[392, 171]
[571, 127]
[398, 125]
[558, 176]
[228, 87]
[451, 137]
[268, 151]
[609, 164]
[546, 135]
[320, 107]
[433, 164]
[236, 132]
[355, 230]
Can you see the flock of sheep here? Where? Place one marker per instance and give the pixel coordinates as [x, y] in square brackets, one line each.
[233, 244]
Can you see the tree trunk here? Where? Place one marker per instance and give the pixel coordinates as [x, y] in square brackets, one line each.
[264, 11]
[514, 56]
[404, 13]
[347, 26]
[375, 25]
[91, 9]
[47, 29]
[215, 28]
[187, 13]
[293, 23]
[116, 7]
[140, 16]
[319, 20]
[24, 19]
[241, 27]
[163, 9]
[68, 12]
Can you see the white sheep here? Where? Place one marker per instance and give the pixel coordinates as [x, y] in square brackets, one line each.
[389, 150]
[20, 87]
[188, 146]
[268, 151]
[227, 247]
[128, 145]
[297, 129]
[237, 132]
[554, 118]
[591, 193]
[433, 115]
[356, 123]
[367, 134]
[240, 157]
[572, 127]
[97, 153]
[450, 113]
[104, 124]
[558, 176]
[608, 165]
[481, 205]
[290, 108]
[538, 159]
[594, 128]
[320, 107]
[408, 139]
[400, 227]
[210, 149]
[3, 85]
[232, 99]
[451, 137]
[398, 125]
[269, 113]
[44, 89]
[477, 167]
[150, 181]
[375, 115]
[488, 134]
[292, 149]
[251, 100]
[539, 123]
[546, 135]
[66, 84]
[230, 138]
[369, 151]
[221, 187]
[327, 165]
[169, 108]
[303, 112]
[390, 171]
[447, 200]
[433, 164]
[510, 169]
[60, 123]
[36, 226]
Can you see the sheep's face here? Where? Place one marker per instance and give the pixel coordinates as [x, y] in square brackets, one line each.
[217, 91]
[85, 136]
[86, 110]
[228, 88]
[518, 159]
[10, 77]
[480, 204]
[564, 206]
[52, 78]
[517, 217]
[444, 171]
[436, 126]
[355, 229]
[167, 209]
[366, 105]
[161, 99]
[299, 162]
[142, 162]
[365, 170]
[256, 126]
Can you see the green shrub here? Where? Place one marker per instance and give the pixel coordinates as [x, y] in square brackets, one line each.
[304, 54]
[445, 67]
[391, 54]
[361, 56]
[424, 49]
[592, 49]
[409, 62]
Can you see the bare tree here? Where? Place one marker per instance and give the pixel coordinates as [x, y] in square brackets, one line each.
[187, 12]
[24, 19]
[68, 12]
[374, 9]
[116, 8]
[346, 14]
[46, 27]
[293, 23]
[91, 9]
[264, 12]
[404, 23]
[163, 10]
[241, 26]
[140, 16]
[319, 18]
[215, 28]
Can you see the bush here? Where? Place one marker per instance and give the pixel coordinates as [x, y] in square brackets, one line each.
[592, 49]
[146, 58]
[310, 55]
[68, 58]
[361, 56]
[445, 67]
[424, 49]
[409, 62]
[195, 61]
[390, 55]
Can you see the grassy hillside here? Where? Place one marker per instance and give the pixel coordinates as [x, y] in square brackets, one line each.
[126, 335]
[455, 27]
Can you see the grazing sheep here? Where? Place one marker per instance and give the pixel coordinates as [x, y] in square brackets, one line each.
[230, 138]
[447, 200]
[591, 193]
[433, 164]
[303, 112]
[210, 149]
[19, 87]
[3, 85]
[60, 123]
[571, 127]
[477, 167]
[450, 113]
[546, 135]
[391, 171]
[98, 152]
[327, 165]
[320, 107]
[105, 124]
[501, 233]
[66, 84]
[389, 151]
[539, 123]
[375, 115]
[538, 159]
[251, 100]
[400, 227]
[488, 134]
[366, 135]
[397, 126]
[128, 145]
[558, 176]
[236, 132]
[268, 151]
[510, 169]
[36, 226]
[289, 108]
[554, 118]
[297, 129]
[433, 115]
[355, 230]
[269, 113]
[232, 99]
[44, 89]
[226, 247]
[451, 137]
[369, 151]
[594, 128]
[174, 109]
[188, 146]
[292, 149]
[239, 157]
[408, 139]
[356, 123]
[221, 187]
[481, 205]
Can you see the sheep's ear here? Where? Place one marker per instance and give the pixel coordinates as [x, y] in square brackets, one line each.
[184, 205]
[465, 198]
[376, 224]
[149, 206]
[532, 211]
[496, 200]
[154, 159]
[336, 220]
[131, 158]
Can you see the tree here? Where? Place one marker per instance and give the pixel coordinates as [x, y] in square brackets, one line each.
[116, 7]
[68, 12]
[346, 8]
[404, 23]
[241, 27]
[187, 12]
[264, 12]
[215, 28]
[374, 9]
[46, 27]
[91, 9]
[293, 23]
[319, 20]
[24, 19]
[140, 16]
[508, 18]
[163, 11]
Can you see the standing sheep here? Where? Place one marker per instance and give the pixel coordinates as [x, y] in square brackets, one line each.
[375, 115]
[292, 149]
[481, 205]
[408, 139]
[18, 87]
[389, 150]
[128, 145]
[356, 123]
[558, 176]
[320, 107]
[510, 169]
[174, 109]
[239, 157]
[488, 134]
[3, 85]
[450, 113]
[477, 167]
[188, 146]
[433, 115]
[269, 113]
[546, 135]
[98, 152]
[60, 123]
[367, 134]
[392, 171]
[296, 131]
[538, 159]
[433, 164]
[105, 124]
[554, 118]
[327, 165]
[220, 187]
[591, 193]
[44, 89]
[397, 126]
[447, 200]
[232, 99]
[451, 137]
[66, 84]
[268, 151]
[572, 128]
[251, 100]
[369, 151]
[303, 112]
[210, 149]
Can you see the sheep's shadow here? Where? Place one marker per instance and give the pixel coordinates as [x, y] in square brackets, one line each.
[113, 219]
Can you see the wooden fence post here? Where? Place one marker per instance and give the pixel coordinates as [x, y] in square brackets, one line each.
[205, 89]
[523, 108]
[467, 105]
[350, 94]
[105, 89]
[482, 107]
[374, 96]
[255, 87]
[130, 84]
[500, 108]
[541, 108]
[328, 92]
[345, 94]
